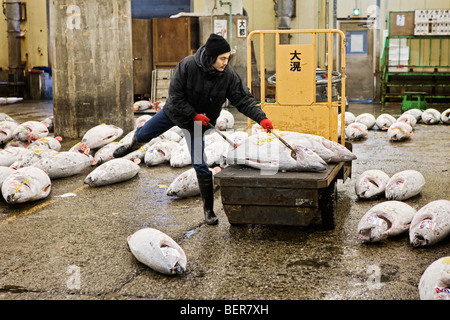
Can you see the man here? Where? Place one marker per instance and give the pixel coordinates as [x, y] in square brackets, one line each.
[200, 85]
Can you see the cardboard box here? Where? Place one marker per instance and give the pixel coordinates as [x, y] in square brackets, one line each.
[401, 23]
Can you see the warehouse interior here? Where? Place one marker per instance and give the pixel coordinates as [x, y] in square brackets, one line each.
[392, 47]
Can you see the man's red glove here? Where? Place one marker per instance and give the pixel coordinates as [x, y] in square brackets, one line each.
[202, 118]
[266, 123]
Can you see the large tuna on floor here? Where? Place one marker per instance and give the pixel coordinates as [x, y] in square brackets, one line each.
[6, 130]
[384, 121]
[430, 224]
[186, 184]
[26, 184]
[371, 183]
[113, 171]
[99, 136]
[64, 164]
[431, 116]
[400, 131]
[386, 219]
[404, 185]
[434, 283]
[30, 131]
[158, 251]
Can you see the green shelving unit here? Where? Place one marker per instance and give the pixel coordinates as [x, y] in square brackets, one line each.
[424, 67]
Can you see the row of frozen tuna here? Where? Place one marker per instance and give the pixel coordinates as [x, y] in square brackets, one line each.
[357, 127]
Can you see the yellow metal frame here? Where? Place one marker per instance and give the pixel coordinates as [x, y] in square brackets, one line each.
[310, 117]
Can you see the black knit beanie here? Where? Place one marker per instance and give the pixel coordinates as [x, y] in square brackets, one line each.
[216, 45]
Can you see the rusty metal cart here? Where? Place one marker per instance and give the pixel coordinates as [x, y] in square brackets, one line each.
[291, 198]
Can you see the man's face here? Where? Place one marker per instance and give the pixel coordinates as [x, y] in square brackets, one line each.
[222, 61]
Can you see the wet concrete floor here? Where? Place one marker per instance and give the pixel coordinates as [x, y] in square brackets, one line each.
[74, 248]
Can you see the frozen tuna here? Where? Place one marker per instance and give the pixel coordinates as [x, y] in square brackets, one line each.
[158, 251]
[225, 120]
[408, 118]
[12, 154]
[356, 131]
[216, 152]
[46, 143]
[367, 119]
[99, 136]
[434, 283]
[160, 152]
[105, 153]
[431, 116]
[431, 224]
[28, 159]
[404, 185]
[142, 105]
[445, 116]
[265, 151]
[113, 171]
[186, 184]
[64, 164]
[371, 183]
[181, 157]
[384, 121]
[349, 118]
[26, 184]
[4, 173]
[140, 121]
[6, 130]
[49, 123]
[399, 131]
[417, 113]
[30, 131]
[386, 219]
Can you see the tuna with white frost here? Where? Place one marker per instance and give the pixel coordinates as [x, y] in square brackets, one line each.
[26, 184]
[356, 131]
[113, 171]
[400, 131]
[384, 121]
[431, 224]
[30, 131]
[386, 219]
[367, 119]
[445, 116]
[6, 130]
[434, 283]
[186, 184]
[371, 183]
[404, 185]
[431, 116]
[158, 251]
[99, 136]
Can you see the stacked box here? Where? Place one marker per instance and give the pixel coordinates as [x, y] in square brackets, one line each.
[160, 84]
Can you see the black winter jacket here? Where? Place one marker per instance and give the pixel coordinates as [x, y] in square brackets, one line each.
[194, 90]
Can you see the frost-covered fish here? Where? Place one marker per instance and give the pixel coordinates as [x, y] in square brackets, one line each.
[434, 283]
[49, 123]
[431, 224]
[404, 185]
[4, 173]
[445, 116]
[26, 184]
[99, 136]
[160, 152]
[30, 131]
[113, 171]
[417, 113]
[140, 121]
[53, 143]
[28, 159]
[408, 118]
[431, 116]
[6, 130]
[186, 184]
[181, 157]
[371, 183]
[105, 153]
[158, 251]
[384, 121]
[356, 131]
[266, 152]
[64, 164]
[225, 120]
[216, 152]
[10, 155]
[367, 119]
[386, 219]
[399, 131]
[349, 118]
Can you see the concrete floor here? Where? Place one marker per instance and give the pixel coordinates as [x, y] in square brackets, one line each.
[46, 245]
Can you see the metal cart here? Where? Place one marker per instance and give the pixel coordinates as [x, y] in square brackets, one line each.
[291, 198]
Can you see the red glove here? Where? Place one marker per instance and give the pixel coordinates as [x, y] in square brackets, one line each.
[266, 123]
[202, 118]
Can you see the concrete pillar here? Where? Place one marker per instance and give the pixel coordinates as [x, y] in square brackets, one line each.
[92, 65]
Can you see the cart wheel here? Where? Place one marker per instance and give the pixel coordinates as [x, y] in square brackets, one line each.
[328, 205]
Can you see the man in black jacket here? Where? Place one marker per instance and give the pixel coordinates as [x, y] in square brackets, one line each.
[200, 85]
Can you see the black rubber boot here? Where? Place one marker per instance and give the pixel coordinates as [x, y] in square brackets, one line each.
[127, 148]
[205, 182]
